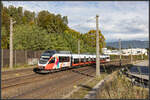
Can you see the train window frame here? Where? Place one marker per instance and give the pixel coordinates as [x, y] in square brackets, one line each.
[64, 59]
[82, 60]
[87, 59]
[76, 60]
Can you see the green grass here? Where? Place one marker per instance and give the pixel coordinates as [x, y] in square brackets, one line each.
[122, 88]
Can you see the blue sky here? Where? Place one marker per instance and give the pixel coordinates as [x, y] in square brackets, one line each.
[127, 20]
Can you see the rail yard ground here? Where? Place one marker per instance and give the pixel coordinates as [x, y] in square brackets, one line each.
[25, 84]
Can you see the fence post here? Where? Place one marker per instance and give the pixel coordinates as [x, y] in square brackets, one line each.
[15, 57]
[34, 54]
[26, 57]
[2, 58]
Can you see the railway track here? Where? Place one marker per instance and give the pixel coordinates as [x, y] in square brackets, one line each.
[25, 79]
[30, 82]
[46, 86]
[53, 86]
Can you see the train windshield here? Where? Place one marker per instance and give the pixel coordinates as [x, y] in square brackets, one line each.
[45, 57]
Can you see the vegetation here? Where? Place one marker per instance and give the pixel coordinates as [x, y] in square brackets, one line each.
[121, 88]
[84, 89]
[43, 31]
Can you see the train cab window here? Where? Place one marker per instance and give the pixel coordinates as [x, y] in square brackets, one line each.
[76, 61]
[63, 59]
[107, 58]
[52, 60]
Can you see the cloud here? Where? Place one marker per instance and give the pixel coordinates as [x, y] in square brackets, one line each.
[128, 36]
[124, 19]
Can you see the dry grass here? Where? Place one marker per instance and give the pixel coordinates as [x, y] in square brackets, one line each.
[121, 88]
[86, 88]
[16, 67]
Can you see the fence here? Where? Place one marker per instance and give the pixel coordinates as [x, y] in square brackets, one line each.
[30, 57]
[20, 57]
[134, 57]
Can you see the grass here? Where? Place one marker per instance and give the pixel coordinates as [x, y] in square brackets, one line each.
[122, 88]
[86, 88]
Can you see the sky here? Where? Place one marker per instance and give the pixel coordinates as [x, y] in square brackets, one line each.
[125, 20]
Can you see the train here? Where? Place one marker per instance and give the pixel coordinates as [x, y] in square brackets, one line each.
[52, 60]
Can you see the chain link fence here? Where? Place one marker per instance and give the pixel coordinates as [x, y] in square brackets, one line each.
[20, 57]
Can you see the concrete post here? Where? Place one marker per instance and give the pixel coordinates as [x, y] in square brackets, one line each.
[97, 49]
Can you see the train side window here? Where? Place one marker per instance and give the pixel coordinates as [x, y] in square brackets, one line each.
[87, 59]
[60, 59]
[92, 59]
[82, 60]
[76, 61]
[63, 59]
[66, 59]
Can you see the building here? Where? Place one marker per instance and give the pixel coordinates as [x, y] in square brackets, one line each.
[134, 51]
[126, 52]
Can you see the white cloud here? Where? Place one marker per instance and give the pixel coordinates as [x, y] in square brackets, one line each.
[128, 20]
[128, 36]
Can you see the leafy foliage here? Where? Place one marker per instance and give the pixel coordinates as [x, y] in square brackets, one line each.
[44, 31]
[29, 37]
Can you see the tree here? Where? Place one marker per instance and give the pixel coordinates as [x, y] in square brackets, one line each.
[28, 17]
[91, 39]
[4, 39]
[29, 37]
[52, 23]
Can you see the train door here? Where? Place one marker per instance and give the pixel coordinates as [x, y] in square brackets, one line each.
[84, 59]
[50, 64]
[71, 58]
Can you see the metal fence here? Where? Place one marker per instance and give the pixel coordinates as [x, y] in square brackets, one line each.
[20, 57]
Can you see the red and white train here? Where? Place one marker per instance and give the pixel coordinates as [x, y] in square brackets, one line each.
[52, 59]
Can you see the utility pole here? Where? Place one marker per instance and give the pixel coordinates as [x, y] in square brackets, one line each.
[79, 46]
[97, 49]
[79, 49]
[141, 55]
[11, 43]
[120, 50]
[131, 55]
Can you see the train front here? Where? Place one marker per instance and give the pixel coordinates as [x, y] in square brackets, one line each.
[43, 61]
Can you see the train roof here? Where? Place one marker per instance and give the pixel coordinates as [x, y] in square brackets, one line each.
[68, 53]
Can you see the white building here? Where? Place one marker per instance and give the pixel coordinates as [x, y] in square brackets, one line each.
[110, 52]
[134, 51]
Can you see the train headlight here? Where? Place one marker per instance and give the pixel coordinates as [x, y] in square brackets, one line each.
[41, 67]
